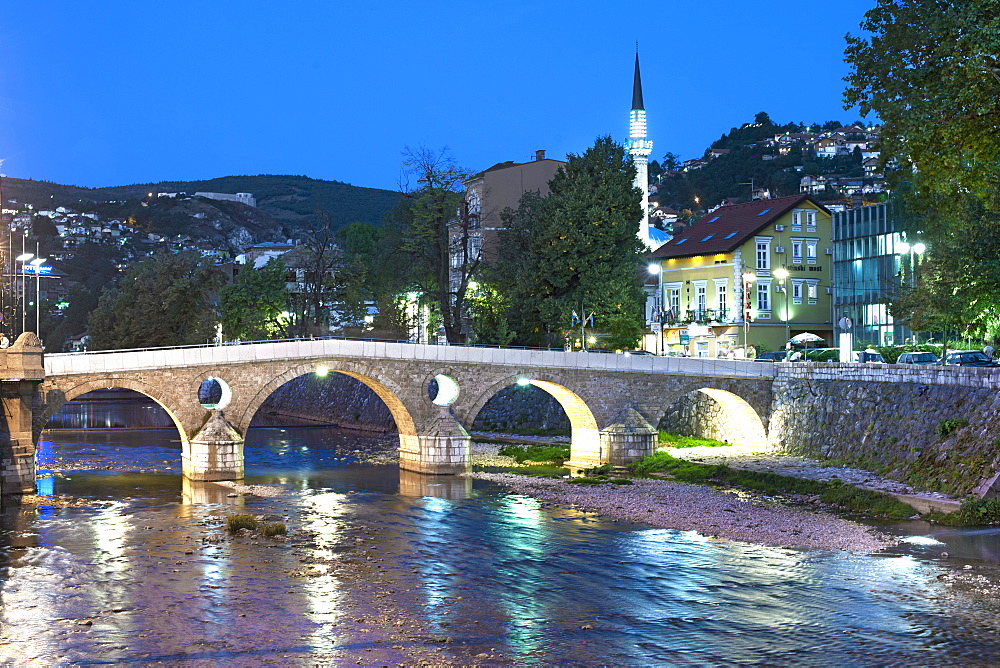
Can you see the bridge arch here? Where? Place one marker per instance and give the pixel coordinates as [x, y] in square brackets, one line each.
[717, 414]
[585, 443]
[388, 393]
[55, 399]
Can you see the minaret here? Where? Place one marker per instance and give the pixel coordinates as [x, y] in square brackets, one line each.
[639, 148]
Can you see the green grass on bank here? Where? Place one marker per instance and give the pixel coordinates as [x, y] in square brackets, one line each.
[557, 454]
[974, 512]
[833, 493]
[681, 441]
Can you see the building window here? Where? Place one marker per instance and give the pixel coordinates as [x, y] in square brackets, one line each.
[811, 245]
[721, 299]
[763, 296]
[796, 217]
[812, 291]
[674, 300]
[764, 255]
[796, 292]
[797, 251]
[701, 297]
[811, 220]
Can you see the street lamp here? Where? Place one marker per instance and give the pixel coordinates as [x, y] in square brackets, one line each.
[37, 263]
[656, 270]
[23, 258]
[748, 278]
[781, 274]
[917, 249]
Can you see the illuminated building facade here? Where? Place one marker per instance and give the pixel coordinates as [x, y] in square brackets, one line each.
[748, 274]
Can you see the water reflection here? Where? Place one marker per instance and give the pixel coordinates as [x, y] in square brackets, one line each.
[152, 568]
[418, 485]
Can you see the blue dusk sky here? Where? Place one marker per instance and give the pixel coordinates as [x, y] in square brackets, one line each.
[118, 92]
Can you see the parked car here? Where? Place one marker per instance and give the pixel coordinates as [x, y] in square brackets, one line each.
[918, 358]
[638, 352]
[868, 357]
[969, 358]
[821, 354]
[774, 356]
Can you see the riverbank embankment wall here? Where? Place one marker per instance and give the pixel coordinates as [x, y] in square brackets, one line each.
[933, 427]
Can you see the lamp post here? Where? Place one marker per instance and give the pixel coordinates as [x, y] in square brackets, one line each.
[748, 278]
[909, 275]
[656, 270]
[37, 264]
[23, 258]
[781, 274]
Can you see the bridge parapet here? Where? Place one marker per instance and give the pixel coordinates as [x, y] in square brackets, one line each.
[161, 358]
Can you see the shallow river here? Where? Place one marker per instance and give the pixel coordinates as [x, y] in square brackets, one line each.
[385, 567]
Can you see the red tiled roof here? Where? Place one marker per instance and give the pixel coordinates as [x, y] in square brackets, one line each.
[728, 227]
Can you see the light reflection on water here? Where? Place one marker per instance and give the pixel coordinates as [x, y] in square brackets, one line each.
[462, 558]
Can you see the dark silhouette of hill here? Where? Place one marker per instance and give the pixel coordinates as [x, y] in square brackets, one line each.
[295, 201]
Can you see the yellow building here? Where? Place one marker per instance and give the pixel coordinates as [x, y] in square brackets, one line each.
[754, 274]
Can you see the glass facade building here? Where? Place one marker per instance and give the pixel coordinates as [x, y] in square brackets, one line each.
[868, 269]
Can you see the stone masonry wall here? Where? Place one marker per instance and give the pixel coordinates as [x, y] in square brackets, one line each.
[935, 428]
[698, 414]
[516, 409]
[334, 399]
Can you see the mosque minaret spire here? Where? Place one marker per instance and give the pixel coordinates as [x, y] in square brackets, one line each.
[639, 148]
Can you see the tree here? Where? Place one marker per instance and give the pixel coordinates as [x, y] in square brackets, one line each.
[253, 306]
[440, 229]
[577, 249]
[930, 69]
[166, 300]
[368, 249]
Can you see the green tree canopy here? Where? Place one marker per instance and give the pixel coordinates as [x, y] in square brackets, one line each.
[253, 306]
[576, 249]
[438, 229]
[930, 69]
[166, 300]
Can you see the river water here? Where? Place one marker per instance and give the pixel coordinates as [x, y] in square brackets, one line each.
[385, 567]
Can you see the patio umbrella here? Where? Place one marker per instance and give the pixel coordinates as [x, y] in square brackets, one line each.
[805, 337]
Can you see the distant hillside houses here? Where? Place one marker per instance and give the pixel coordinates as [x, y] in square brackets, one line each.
[242, 198]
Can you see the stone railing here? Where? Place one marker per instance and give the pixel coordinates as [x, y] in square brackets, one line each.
[965, 376]
[160, 358]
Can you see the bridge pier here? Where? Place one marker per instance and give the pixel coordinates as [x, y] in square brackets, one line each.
[22, 371]
[445, 448]
[628, 439]
[216, 453]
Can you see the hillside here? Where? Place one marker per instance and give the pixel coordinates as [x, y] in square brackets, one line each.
[293, 201]
[772, 157]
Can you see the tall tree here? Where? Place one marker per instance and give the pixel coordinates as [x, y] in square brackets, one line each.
[166, 300]
[577, 250]
[930, 69]
[440, 230]
[253, 306]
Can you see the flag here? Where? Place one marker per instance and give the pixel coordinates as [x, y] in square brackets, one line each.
[575, 318]
[591, 318]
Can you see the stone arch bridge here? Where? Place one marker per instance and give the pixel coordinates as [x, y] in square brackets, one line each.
[612, 401]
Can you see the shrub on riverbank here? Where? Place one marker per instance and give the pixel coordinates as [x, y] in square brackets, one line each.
[834, 493]
[237, 522]
[557, 454]
[272, 530]
[974, 512]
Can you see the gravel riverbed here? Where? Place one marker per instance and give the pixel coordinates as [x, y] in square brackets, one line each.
[710, 512]
[719, 513]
